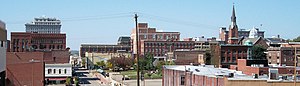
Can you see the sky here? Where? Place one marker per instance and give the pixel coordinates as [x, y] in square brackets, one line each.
[103, 21]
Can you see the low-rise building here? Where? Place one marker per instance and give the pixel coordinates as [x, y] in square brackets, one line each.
[186, 56]
[205, 75]
[57, 73]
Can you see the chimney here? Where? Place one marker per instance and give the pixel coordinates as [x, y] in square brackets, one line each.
[278, 36]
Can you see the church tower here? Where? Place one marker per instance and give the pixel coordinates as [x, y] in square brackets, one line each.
[233, 29]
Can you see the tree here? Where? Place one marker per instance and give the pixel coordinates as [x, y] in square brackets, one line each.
[83, 62]
[207, 58]
[258, 52]
[121, 61]
[109, 65]
[68, 81]
[100, 64]
[296, 39]
[160, 66]
[146, 63]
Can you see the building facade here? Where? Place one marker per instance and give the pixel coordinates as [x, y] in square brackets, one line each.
[44, 25]
[3, 46]
[25, 41]
[161, 48]
[185, 75]
[229, 54]
[186, 57]
[151, 34]
[57, 73]
[282, 56]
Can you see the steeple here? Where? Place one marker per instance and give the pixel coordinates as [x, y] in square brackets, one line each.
[233, 18]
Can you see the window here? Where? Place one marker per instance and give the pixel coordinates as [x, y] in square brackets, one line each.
[65, 71]
[49, 71]
[2, 44]
[59, 71]
[182, 80]
[54, 71]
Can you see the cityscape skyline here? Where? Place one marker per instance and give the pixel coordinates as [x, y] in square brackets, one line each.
[201, 18]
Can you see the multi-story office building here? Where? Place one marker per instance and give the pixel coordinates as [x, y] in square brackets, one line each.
[25, 41]
[151, 34]
[229, 54]
[3, 45]
[123, 45]
[44, 25]
[161, 48]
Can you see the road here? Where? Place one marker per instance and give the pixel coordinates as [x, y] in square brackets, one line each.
[87, 79]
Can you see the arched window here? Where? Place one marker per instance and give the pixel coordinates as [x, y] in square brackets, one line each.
[49, 71]
[65, 71]
[59, 71]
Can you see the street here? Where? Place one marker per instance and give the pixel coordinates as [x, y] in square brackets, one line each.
[87, 79]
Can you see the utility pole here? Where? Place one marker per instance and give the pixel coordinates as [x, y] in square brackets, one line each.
[295, 65]
[137, 48]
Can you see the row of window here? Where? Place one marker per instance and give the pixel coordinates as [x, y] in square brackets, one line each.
[59, 71]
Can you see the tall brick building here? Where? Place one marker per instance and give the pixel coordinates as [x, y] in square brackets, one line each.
[151, 34]
[26, 41]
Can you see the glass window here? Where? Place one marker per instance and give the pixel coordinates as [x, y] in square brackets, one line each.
[59, 71]
[182, 80]
[54, 71]
[49, 71]
[65, 71]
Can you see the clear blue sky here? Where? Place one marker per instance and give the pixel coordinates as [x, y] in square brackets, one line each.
[103, 21]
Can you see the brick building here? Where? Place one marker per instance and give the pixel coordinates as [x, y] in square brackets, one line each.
[3, 46]
[27, 68]
[184, 75]
[151, 34]
[282, 56]
[160, 48]
[123, 45]
[229, 54]
[186, 56]
[26, 41]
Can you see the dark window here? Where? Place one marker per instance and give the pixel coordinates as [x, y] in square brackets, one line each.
[182, 80]
[59, 71]
[49, 71]
[54, 71]
[65, 71]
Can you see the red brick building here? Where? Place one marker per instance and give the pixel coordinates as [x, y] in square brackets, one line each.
[282, 56]
[185, 75]
[160, 48]
[27, 68]
[26, 41]
[151, 34]
[229, 54]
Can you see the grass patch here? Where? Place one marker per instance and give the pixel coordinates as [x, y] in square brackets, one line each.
[132, 74]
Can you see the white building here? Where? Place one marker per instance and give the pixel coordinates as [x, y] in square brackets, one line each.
[57, 73]
[44, 25]
[3, 39]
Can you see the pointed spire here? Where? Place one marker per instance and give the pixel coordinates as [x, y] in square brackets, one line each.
[233, 17]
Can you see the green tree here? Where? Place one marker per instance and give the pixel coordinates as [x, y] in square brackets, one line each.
[146, 63]
[109, 65]
[68, 81]
[296, 39]
[258, 52]
[100, 64]
[160, 66]
[83, 62]
[207, 58]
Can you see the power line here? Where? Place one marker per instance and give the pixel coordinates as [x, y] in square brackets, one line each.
[176, 21]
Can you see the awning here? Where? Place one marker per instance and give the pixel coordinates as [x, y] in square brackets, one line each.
[52, 79]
